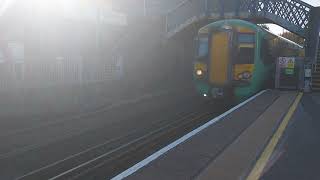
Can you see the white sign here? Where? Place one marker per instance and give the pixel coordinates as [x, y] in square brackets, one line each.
[287, 62]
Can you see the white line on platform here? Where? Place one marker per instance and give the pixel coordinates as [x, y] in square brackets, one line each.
[162, 151]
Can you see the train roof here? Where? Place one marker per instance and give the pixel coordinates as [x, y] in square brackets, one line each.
[230, 22]
[249, 25]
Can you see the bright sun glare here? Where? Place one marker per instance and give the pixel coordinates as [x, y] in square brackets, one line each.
[58, 6]
[4, 5]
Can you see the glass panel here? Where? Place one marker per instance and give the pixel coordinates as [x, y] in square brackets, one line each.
[203, 46]
[246, 38]
[245, 56]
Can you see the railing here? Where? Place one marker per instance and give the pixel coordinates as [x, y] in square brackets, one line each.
[185, 14]
[41, 74]
[317, 62]
[293, 15]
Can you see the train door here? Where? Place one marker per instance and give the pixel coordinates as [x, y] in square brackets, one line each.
[220, 57]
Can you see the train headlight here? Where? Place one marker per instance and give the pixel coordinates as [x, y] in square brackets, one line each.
[199, 72]
[245, 75]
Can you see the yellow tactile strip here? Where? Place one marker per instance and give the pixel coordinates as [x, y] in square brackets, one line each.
[238, 158]
[256, 172]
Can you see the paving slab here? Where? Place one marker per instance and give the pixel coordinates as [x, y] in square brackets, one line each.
[297, 156]
[223, 143]
[236, 161]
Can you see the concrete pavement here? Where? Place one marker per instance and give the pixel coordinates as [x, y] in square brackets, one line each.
[27, 151]
[226, 150]
[297, 157]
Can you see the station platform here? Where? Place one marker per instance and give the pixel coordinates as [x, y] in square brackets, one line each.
[272, 135]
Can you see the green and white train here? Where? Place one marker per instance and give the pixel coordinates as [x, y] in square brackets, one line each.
[235, 59]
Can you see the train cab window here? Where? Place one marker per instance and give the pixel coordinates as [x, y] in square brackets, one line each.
[245, 55]
[203, 46]
[245, 49]
[247, 38]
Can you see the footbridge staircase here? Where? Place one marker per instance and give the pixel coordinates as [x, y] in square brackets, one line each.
[316, 72]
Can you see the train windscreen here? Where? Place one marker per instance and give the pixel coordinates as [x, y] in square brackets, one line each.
[246, 38]
[245, 55]
[203, 46]
[246, 48]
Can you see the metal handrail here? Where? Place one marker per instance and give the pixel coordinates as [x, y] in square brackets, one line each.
[259, 8]
[178, 6]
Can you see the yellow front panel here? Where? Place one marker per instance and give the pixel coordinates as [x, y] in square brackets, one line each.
[246, 45]
[241, 68]
[244, 30]
[200, 66]
[219, 58]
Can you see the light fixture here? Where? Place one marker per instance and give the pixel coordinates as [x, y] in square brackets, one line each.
[199, 72]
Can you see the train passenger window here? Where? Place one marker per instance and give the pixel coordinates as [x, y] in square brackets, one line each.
[203, 47]
[245, 55]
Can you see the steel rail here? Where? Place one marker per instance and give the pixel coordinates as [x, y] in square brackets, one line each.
[109, 154]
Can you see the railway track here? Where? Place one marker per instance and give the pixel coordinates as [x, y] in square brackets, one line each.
[68, 130]
[101, 109]
[114, 155]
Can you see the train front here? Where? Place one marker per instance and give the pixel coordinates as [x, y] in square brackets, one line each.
[224, 59]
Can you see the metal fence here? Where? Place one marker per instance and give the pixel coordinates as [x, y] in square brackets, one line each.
[57, 72]
[185, 14]
[293, 15]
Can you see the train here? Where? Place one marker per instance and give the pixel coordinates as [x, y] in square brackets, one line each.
[235, 59]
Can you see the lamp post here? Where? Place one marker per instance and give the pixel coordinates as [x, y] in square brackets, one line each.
[144, 8]
[99, 5]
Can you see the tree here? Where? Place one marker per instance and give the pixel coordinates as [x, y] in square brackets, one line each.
[264, 26]
[293, 37]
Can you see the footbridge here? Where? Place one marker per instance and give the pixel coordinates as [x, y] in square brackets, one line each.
[294, 15]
